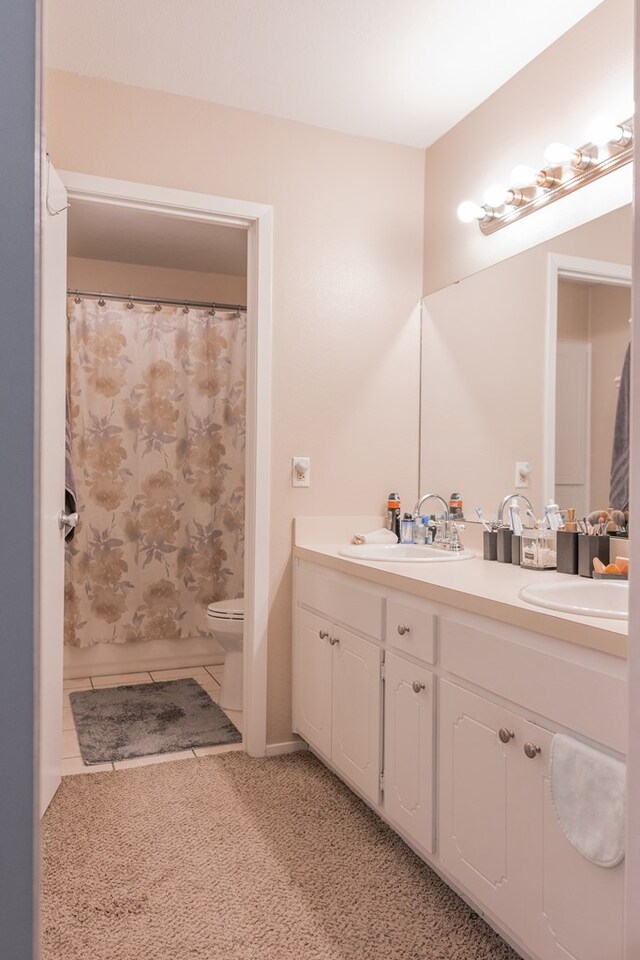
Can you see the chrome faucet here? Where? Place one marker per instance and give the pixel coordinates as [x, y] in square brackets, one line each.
[447, 533]
[506, 500]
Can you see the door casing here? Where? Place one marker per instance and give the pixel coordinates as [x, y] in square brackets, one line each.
[257, 220]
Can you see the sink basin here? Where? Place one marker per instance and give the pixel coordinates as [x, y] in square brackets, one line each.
[588, 598]
[402, 553]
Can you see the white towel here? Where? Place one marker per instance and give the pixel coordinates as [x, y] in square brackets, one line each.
[588, 796]
[376, 536]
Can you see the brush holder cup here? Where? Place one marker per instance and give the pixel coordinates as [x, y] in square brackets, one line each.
[503, 549]
[515, 549]
[567, 551]
[590, 546]
[490, 545]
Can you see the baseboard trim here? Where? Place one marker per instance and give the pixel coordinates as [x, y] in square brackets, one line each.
[106, 659]
[289, 746]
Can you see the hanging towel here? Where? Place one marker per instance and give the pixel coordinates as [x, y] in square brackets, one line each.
[619, 484]
[376, 536]
[588, 796]
[70, 499]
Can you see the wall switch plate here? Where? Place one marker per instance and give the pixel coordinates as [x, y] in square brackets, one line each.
[300, 471]
[523, 469]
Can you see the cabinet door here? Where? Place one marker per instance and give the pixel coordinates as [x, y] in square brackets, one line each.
[477, 831]
[357, 714]
[574, 907]
[312, 680]
[408, 748]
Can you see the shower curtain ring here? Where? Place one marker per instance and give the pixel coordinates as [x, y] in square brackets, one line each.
[130, 304]
[212, 311]
[185, 309]
[101, 301]
[158, 305]
[77, 298]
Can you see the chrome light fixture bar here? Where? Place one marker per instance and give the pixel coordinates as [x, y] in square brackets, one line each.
[566, 170]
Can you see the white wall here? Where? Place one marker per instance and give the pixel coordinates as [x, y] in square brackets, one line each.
[348, 228]
[588, 71]
[111, 276]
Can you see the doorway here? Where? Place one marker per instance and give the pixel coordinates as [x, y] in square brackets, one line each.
[183, 210]
[588, 316]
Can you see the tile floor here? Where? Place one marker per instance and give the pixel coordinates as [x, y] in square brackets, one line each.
[209, 677]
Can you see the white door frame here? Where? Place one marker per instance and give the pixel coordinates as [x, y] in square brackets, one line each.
[257, 219]
[583, 270]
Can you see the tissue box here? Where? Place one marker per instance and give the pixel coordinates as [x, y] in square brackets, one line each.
[538, 549]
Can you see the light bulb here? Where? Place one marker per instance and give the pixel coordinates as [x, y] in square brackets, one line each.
[495, 195]
[523, 176]
[558, 153]
[468, 211]
[602, 130]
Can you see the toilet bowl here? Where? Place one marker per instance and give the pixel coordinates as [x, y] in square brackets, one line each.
[225, 619]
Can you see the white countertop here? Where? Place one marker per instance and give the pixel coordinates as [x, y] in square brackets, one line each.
[479, 586]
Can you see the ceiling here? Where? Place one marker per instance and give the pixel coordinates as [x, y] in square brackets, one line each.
[104, 232]
[399, 70]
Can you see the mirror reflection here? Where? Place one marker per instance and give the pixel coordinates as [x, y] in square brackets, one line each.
[490, 347]
[593, 335]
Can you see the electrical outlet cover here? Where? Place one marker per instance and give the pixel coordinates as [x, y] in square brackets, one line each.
[300, 471]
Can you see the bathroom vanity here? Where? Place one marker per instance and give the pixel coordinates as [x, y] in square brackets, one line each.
[434, 693]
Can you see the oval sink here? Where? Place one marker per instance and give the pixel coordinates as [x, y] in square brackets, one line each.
[588, 598]
[402, 553]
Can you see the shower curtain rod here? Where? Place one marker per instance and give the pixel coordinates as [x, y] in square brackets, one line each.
[97, 295]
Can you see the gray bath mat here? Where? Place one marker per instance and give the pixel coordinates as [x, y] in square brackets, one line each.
[115, 723]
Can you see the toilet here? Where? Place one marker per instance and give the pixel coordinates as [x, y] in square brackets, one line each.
[225, 619]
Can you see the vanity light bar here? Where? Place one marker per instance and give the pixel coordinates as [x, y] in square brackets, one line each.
[565, 171]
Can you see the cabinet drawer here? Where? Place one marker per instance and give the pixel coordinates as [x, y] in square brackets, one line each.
[576, 695]
[411, 629]
[340, 599]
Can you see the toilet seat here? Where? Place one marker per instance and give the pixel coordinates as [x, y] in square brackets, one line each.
[226, 609]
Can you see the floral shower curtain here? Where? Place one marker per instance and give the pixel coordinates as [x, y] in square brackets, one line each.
[157, 408]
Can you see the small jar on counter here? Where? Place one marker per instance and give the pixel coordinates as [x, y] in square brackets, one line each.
[406, 529]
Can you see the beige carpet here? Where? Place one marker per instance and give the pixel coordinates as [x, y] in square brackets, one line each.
[229, 858]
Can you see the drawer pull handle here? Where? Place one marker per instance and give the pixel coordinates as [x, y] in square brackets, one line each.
[334, 640]
[402, 629]
[531, 750]
[505, 735]
[417, 686]
[323, 634]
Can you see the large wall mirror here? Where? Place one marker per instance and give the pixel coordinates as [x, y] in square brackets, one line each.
[516, 355]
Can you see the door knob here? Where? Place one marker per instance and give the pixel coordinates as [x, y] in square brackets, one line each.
[334, 640]
[505, 735]
[67, 521]
[417, 686]
[323, 634]
[402, 629]
[531, 750]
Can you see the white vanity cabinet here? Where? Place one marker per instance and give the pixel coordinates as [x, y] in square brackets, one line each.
[409, 716]
[386, 682]
[497, 831]
[337, 703]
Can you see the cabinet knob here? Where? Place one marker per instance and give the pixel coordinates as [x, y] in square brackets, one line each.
[402, 629]
[334, 640]
[505, 735]
[323, 634]
[531, 750]
[417, 686]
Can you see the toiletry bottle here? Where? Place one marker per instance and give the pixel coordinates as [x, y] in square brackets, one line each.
[427, 529]
[393, 514]
[406, 529]
[433, 528]
[455, 507]
[419, 531]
